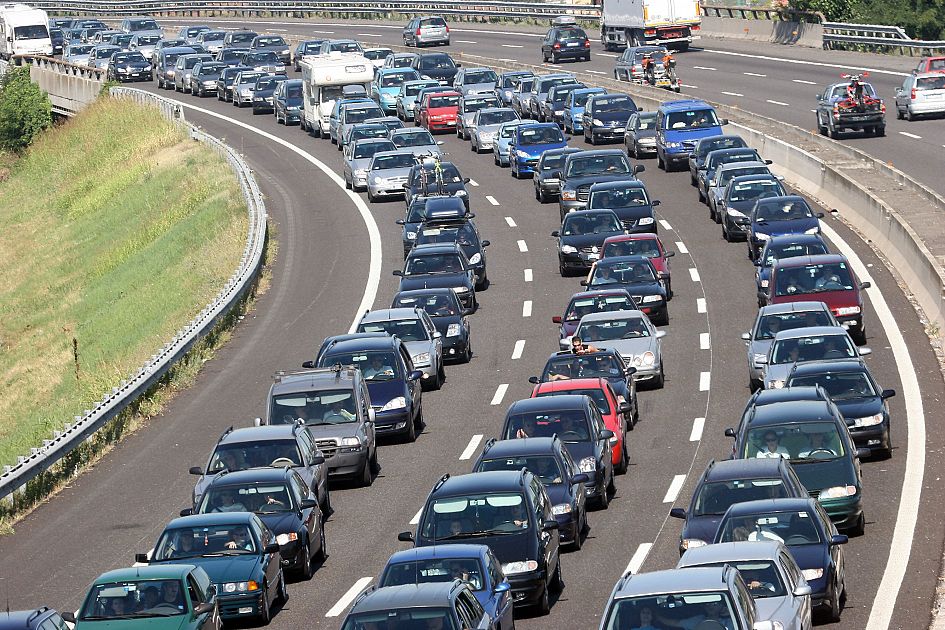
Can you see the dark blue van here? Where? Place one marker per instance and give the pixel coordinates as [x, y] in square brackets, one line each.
[679, 125]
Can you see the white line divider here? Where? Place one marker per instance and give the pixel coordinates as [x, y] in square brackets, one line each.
[697, 426]
[694, 274]
[674, 487]
[519, 349]
[702, 68]
[681, 247]
[473, 183]
[705, 379]
[527, 308]
[511, 222]
[798, 62]
[471, 447]
[528, 275]
[499, 394]
[522, 246]
[704, 341]
[778, 103]
[596, 72]
[636, 561]
[754, 74]
[374, 235]
[512, 46]
[492, 200]
[700, 305]
[910, 135]
[803, 81]
[416, 517]
[665, 224]
[342, 604]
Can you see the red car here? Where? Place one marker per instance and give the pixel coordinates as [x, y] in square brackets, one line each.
[648, 245]
[438, 111]
[826, 278]
[930, 64]
[615, 412]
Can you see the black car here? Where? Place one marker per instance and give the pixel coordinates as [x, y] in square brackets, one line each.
[511, 512]
[577, 421]
[740, 197]
[226, 80]
[583, 169]
[448, 316]
[436, 602]
[437, 66]
[552, 108]
[605, 117]
[305, 47]
[58, 39]
[547, 172]
[581, 238]
[264, 94]
[231, 56]
[730, 481]
[440, 266]
[42, 618]
[705, 146]
[629, 200]
[287, 102]
[461, 230]
[639, 277]
[706, 174]
[129, 66]
[451, 182]
[549, 460]
[565, 41]
[275, 43]
[412, 220]
[205, 76]
[239, 39]
[586, 302]
[282, 501]
[851, 386]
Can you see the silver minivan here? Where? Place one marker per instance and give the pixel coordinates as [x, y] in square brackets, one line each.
[424, 31]
[921, 94]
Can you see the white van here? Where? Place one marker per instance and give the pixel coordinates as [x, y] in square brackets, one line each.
[323, 79]
[24, 31]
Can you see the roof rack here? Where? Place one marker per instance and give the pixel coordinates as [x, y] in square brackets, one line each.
[440, 482]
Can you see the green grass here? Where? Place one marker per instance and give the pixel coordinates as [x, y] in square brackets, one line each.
[116, 230]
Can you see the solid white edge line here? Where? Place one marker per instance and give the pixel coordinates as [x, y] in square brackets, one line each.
[511, 222]
[527, 308]
[704, 342]
[665, 224]
[348, 597]
[519, 349]
[528, 275]
[705, 381]
[470, 449]
[697, 425]
[636, 561]
[499, 394]
[522, 246]
[674, 487]
[700, 305]
[416, 517]
[492, 200]
[374, 235]
[681, 247]
[694, 274]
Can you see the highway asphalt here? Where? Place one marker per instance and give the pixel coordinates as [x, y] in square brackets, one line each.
[319, 276]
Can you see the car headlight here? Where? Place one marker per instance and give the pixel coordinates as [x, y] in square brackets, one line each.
[561, 508]
[351, 441]
[421, 358]
[461, 193]
[460, 289]
[360, 172]
[522, 155]
[568, 249]
[674, 145]
[588, 465]
[761, 236]
[647, 358]
[395, 403]
[732, 212]
[285, 539]
[411, 236]
[597, 122]
[649, 299]
[387, 97]
[523, 566]
[813, 230]
[569, 195]
[758, 358]
[813, 574]
[692, 543]
[645, 221]
[848, 310]
[475, 259]
[232, 587]
[777, 384]
[764, 283]
[868, 421]
[838, 492]
[453, 330]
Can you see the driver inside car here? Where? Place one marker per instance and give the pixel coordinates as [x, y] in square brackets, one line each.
[817, 444]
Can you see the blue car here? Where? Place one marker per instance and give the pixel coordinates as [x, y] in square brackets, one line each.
[528, 143]
[474, 564]
[574, 109]
[776, 216]
[386, 86]
[785, 246]
[679, 125]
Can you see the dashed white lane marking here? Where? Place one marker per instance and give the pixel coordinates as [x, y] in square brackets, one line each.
[416, 517]
[732, 94]
[528, 275]
[778, 103]
[665, 224]
[324, 32]
[346, 599]
[505, 59]
[527, 308]
[754, 74]
[518, 349]
[700, 305]
[512, 46]
[464, 41]
[910, 135]
[499, 394]
[511, 222]
[492, 200]
[674, 487]
[279, 30]
[369, 35]
[803, 81]
[473, 183]
[611, 55]
[704, 341]
[691, 87]
[702, 68]
[522, 246]
[681, 247]
[694, 274]
[705, 379]
[798, 62]
[596, 72]
[636, 561]
[697, 425]
[471, 447]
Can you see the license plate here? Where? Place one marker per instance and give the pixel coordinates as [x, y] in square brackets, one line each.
[618, 129]
[593, 256]
[572, 44]
[662, 83]
[673, 34]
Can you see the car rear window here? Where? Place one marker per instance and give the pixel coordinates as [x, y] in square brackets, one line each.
[930, 83]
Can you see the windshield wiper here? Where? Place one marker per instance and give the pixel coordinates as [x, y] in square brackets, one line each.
[463, 535]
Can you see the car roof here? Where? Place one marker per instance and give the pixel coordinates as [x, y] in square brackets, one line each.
[684, 105]
[571, 384]
[818, 259]
[766, 397]
[419, 595]
[611, 315]
[696, 579]
[789, 504]
[174, 49]
[148, 572]
[797, 333]
[731, 551]
[792, 307]
[365, 344]
[728, 469]
[390, 314]
[614, 260]
[250, 475]
[419, 292]
[305, 380]
[593, 152]
[394, 152]
[620, 183]
[799, 239]
[565, 401]
[435, 248]
[459, 550]
[490, 481]
[752, 178]
[521, 446]
[210, 519]
[799, 411]
[255, 434]
[837, 365]
[600, 293]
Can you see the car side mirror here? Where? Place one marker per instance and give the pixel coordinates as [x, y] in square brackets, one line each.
[762, 361]
[416, 375]
[371, 414]
[439, 143]
[678, 512]
[769, 161]
[68, 616]
[204, 608]
[556, 319]
[534, 380]
[864, 351]
[195, 470]
[308, 504]
[802, 590]
[669, 254]
[458, 64]
[257, 422]
[556, 234]
[503, 587]
[819, 215]
[839, 539]
[405, 537]
[730, 432]
[624, 407]
[605, 434]
[656, 202]
[485, 243]
[556, 174]
[308, 365]
[639, 168]
[141, 557]
[318, 460]
[746, 336]
[887, 393]
[549, 525]
[863, 453]
[724, 121]
[580, 478]
[763, 625]
[466, 180]
[865, 285]
[186, 512]
[400, 222]
[583, 283]
[660, 334]
[630, 370]
[271, 548]
[397, 272]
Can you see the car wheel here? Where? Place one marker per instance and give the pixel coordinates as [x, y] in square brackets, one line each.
[322, 554]
[725, 234]
[265, 615]
[305, 572]
[347, 183]
[557, 582]
[899, 115]
[660, 164]
[513, 172]
[603, 501]
[578, 541]
[467, 356]
[411, 431]
[542, 197]
[860, 528]
[282, 595]
[371, 197]
[660, 380]
[702, 198]
[543, 606]
[879, 132]
[441, 375]
[612, 484]
[624, 462]
[835, 608]
[366, 477]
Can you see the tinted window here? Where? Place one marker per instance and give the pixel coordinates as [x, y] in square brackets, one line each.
[812, 348]
[600, 164]
[540, 135]
[579, 307]
[570, 425]
[474, 515]
[441, 569]
[791, 528]
[797, 442]
[770, 325]
[619, 198]
[814, 279]
[545, 467]
[613, 330]
[716, 497]
[327, 406]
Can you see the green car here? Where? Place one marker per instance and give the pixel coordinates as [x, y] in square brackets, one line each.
[165, 597]
[238, 552]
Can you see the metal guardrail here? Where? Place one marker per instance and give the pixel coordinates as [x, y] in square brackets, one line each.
[762, 13]
[875, 36]
[42, 458]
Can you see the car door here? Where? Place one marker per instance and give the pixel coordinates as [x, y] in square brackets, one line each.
[434, 335]
[836, 551]
[421, 113]
[317, 471]
[273, 561]
[470, 610]
[311, 517]
[501, 592]
[548, 540]
[413, 385]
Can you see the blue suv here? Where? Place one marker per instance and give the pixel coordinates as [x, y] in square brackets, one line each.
[679, 125]
[574, 109]
[529, 141]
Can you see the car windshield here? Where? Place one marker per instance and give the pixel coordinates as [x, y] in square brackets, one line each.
[647, 121]
[613, 329]
[255, 454]
[130, 57]
[791, 528]
[569, 424]
[212, 36]
[401, 619]
[813, 279]
[798, 441]
[623, 273]
[601, 164]
[683, 610]
[728, 174]
[580, 99]
[839, 385]
[540, 135]
[715, 497]
[377, 54]
[571, 32]
[375, 366]
[812, 348]
[434, 263]
[693, 119]
[598, 365]
[496, 117]
[105, 53]
[360, 114]
[394, 79]
[479, 76]
[463, 233]
[246, 79]
[268, 42]
[207, 70]
[402, 62]
[434, 305]
[525, 85]
[293, 91]
[406, 329]
[545, 467]
[613, 105]
[262, 498]
[770, 325]
[368, 149]
[474, 516]
[448, 172]
[413, 90]
[267, 83]
[713, 144]
[345, 47]
[761, 577]
[648, 247]
[596, 394]
[80, 50]
[242, 38]
[326, 406]
[432, 21]
[438, 569]
[593, 223]
[579, 307]
[561, 92]
[784, 210]
[266, 56]
[792, 250]
[451, 100]
[436, 62]
[387, 162]
[412, 139]
[471, 105]
[231, 539]
[134, 599]
[143, 25]
[755, 189]
[614, 198]
[508, 130]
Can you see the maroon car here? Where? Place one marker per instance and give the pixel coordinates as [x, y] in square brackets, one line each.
[591, 302]
[648, 245]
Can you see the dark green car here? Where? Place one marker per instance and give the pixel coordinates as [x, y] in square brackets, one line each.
[164, 597]
[238, 552]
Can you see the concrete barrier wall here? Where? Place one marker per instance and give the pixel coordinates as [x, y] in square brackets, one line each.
[70, 89]
[793, 33]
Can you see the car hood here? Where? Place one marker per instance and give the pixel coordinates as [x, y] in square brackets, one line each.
[859, 408]
[435, 281]
[702, 527]
[809, 556]
[177, 622]
[568, 327]
[776, 228]
[691, 135]
[642, 288]
[744, 207]
[760, 346]
[478, 88]
[389, 91]
[424, 149]
[833, 299]
[645, 133]
[439, 73]
[579, 450]
[503, 144]
[535, 150]
[777, 372]
[225, 568]
[443, 323]
[391, 172]
[383, 391]
[620, 117]
[324, 431]
[629, 346]
[587, 240]
[442, 111]
[283, 522]
[134, 64]
[488, 128]
[416, 347]
[574, 182]
[558, 493]
[821, 474]
[633, 213]
[361, 163]
[775, 609]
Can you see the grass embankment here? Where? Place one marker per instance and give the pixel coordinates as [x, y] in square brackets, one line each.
[115, 230]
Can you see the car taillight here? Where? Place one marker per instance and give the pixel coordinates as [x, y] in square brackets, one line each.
[587, 43]
[418, 31]
[649, 31]
[913, 94]
[557, 46]
[447, 28]
[836, 112]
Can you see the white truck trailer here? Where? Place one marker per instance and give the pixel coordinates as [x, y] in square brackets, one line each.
[671, 23]
[323, 79]
[24, 31]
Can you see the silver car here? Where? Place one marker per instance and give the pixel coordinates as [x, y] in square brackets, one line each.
[388, 173]
[145, 44]
[405, 102]
[357, 160]
[78, 54]
[425, 31]
[415, 328]
[715, 188]
[921, 95]
[417, 140]
[212, 41]
[781, 593]
[476, 81]
[502, 140]
[632, 334]
[816, 343]
[184, 70]
[353, 114]
[101, 54]
[771, 320]
[401, 60]
[469, 104]
[243, 86]
[485, 126]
